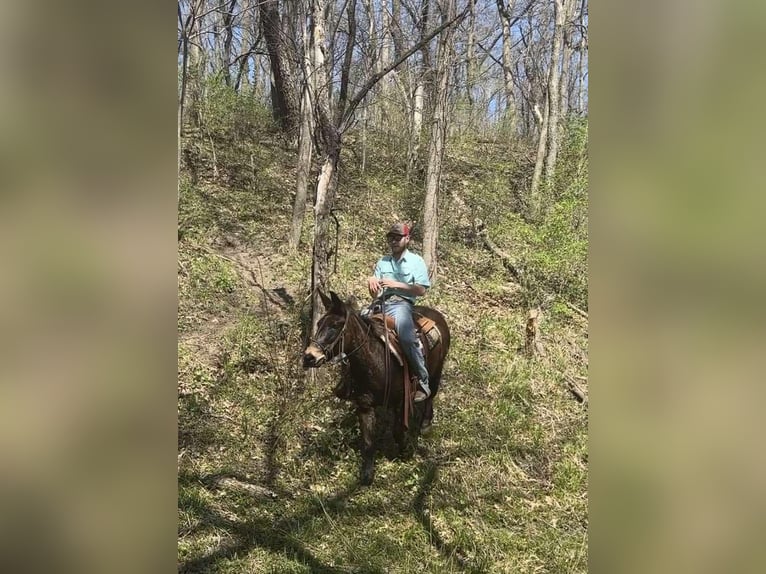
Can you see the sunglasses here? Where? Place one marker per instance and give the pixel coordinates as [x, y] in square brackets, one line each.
[391, 236]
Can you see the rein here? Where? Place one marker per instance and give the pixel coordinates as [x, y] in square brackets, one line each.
[387, 359]
[342, 356]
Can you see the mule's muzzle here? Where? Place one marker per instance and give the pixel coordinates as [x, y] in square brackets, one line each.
[312, 360]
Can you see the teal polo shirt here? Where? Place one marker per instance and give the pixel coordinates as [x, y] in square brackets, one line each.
[410, 268]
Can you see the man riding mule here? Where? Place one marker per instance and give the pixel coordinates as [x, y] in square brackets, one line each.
[361, 342]
[397, 281]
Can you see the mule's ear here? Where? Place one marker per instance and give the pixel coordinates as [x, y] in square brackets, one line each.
[326, 301]
[336, 302]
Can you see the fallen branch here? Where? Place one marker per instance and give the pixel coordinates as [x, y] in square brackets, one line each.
[581, 395]
[506, 259]
[576, 309]
[207, 249]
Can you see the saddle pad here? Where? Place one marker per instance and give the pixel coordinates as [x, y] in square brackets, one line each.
[425, 326]
[430, 330]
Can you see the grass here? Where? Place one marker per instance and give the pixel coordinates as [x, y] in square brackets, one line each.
[268, 459]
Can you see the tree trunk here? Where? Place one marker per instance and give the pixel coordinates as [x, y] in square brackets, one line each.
[566, 61]
[182, 96]
[347, 59]
[305, 144]
[582, 49]
[373, 61]
[385, 44]
[228, 31]
[396, 30]
[436, 150]
[247, 46]
[284, 99]
[553, 93]
[326, 186]
[195, 66]
[510, 107]
[328, 139]
[470, 57]
[416, 127]
[534, 204]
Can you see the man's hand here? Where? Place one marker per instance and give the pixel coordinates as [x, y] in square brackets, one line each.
[391, 284]
[373, 285]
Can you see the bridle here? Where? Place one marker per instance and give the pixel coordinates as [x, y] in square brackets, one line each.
[342, 356]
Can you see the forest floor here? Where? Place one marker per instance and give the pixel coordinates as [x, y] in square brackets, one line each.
[268, 458]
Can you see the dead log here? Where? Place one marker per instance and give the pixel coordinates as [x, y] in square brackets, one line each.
[579, 394]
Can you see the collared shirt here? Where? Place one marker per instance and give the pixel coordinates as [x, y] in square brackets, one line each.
[410, 268]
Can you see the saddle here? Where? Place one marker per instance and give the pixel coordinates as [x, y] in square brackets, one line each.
[428, 337]
[426, 329]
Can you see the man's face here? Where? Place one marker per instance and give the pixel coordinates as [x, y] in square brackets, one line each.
[397, 242]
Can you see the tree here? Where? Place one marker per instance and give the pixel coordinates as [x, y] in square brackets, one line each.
[436, 147]
[284, 88]
[554, 98]
[305, 143]
[327, 136]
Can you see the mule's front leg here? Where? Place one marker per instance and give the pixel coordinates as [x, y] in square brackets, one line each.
[402, 437]
[367, 428]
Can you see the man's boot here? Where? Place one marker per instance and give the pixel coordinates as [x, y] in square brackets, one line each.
[423, 391]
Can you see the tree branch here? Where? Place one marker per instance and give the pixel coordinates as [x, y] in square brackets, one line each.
[357, 99]
[578, 310]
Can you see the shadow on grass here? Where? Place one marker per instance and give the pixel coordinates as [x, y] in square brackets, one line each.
[450, 552]
[274, 536]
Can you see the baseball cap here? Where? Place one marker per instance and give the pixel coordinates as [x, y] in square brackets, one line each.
[399, 229]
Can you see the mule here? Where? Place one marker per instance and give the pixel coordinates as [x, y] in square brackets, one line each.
[373, 377]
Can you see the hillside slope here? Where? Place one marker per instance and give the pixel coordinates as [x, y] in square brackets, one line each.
[268, 459]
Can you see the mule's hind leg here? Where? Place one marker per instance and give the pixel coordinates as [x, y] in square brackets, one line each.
[367, 428]
[428, 416]
[428, 405]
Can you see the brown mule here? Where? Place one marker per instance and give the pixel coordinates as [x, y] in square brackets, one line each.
[343, 335]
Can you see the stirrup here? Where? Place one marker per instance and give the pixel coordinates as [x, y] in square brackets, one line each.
[421, 395]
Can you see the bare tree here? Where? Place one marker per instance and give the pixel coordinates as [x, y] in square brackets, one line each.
[566, 60]
[554, 102]
[227, 18]
[327, 136]
[249, 42]
[423, 70]
[305, 143]
[438, 134]
[328, 142]
[284, 89]
[582, 49]
[470, 56]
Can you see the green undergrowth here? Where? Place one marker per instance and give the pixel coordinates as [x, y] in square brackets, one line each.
[268, 458]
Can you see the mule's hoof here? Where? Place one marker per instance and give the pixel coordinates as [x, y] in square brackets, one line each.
[366, 478]
[407, 452]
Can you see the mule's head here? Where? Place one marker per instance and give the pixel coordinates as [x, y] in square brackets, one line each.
[324, 345]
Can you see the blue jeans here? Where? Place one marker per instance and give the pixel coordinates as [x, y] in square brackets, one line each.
[401, 311]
